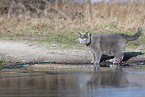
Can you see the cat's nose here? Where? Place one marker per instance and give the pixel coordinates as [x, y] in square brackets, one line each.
[80, 41]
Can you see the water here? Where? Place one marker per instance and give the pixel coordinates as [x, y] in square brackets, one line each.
[78, 83]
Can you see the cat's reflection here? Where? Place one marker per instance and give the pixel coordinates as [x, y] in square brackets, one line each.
[107, 78]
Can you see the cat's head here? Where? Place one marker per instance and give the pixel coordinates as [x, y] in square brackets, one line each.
[84, 38]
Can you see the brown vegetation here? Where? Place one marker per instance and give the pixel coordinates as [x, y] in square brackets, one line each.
[42, 17]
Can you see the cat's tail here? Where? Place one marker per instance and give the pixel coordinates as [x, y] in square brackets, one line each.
[136, 36]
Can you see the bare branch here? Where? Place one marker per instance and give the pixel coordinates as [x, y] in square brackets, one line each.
[22, 6]
[60, 12]
[9, 12]
[39, 10]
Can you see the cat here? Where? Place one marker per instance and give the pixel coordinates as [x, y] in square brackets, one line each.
[109, 43]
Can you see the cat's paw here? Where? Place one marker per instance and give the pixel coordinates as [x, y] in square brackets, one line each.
[112, 65]
[96, 62]
[111, 60]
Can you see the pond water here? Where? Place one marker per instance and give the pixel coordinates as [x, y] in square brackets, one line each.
[73, 83]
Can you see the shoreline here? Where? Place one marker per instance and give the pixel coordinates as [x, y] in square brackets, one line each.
[25, 53]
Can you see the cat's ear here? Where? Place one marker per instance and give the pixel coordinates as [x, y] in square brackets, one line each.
[87, 34]
[79, 33]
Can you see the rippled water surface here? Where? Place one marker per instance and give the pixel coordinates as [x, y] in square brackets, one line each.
[130, 83]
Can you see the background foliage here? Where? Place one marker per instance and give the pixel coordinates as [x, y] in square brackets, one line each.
[58, 21]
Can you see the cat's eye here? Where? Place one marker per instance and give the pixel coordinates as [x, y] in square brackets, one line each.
[84, 39]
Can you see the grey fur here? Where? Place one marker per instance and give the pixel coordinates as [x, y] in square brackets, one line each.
[111, 44]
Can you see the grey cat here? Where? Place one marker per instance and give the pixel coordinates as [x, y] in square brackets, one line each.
[109, 43]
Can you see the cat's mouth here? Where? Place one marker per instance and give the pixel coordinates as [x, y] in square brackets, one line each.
[82, 41]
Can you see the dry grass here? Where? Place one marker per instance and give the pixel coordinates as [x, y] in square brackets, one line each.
[60, 22]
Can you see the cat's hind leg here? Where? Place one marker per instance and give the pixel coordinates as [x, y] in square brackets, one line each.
[118, 58]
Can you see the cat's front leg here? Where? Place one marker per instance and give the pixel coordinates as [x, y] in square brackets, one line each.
[93, 57]
[97, 58]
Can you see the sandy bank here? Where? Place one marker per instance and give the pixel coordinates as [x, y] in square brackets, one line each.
[25, 52]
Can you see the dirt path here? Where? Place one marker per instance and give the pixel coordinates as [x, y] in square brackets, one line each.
[25, 52]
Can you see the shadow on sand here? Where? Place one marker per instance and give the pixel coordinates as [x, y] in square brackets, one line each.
[127, 56]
